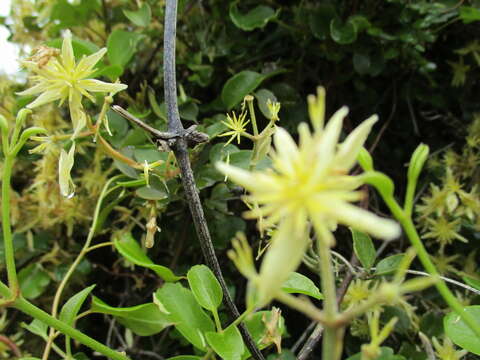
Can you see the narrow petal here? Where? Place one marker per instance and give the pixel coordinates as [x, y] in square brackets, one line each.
[286, 151]
[363, 220]
[240, 176]
[349, 149]
[68, 59]
[34, 90]
[100, 86]
[45, 98]
[65, 165]
[284, 255]
[87, 63]
[77, 114]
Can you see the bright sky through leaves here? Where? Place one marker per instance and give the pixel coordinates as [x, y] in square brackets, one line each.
[8, 60]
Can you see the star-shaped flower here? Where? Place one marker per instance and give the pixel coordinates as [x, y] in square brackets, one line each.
[61, 78]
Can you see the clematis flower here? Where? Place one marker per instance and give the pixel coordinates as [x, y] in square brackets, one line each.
[61, 78]
[308, 183]
[237, 125]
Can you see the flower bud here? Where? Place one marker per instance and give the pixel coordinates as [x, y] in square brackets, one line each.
[417, 161]
[365, 160]
[380, 181]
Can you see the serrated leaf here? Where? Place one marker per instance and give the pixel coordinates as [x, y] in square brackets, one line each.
[70, 309]
[141, 17]
[460, 333]
[255, 18]
[129, 248]
[143, 320]
[300, 284]
[227, 344]
[364, 249]
[184, 311]
[205, 287]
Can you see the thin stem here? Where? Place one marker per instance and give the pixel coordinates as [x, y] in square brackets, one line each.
[30, 309]
[218, 324]
[71, 270]
[303, 306]
[427, 263]
[98, 246]
[180, 149]
[6, 226]
[252, 115]
[330, 339]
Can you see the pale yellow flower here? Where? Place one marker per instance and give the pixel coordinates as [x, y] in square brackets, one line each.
[307, 183]
[237, 125]
[61, 78]
[311, 181]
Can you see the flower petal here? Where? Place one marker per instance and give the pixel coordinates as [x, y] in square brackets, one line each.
[65, 165]
[365, 221]
[100, 86]
[240, 176]
[347, 154]
[68, 59]
[87, 63]
[45, 98]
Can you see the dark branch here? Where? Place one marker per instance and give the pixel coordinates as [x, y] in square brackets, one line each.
[180, 149]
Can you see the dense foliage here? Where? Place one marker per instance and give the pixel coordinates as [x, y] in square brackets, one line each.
[414, 63]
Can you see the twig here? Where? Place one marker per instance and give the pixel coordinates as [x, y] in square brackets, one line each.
[11, 345]
[180, 148]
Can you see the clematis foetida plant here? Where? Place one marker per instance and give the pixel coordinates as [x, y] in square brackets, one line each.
[308, 183]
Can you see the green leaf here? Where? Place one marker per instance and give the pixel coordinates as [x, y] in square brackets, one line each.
[71, 308]
[319, 20]
[141, 17]
[186, 357]
[256, 327]
[361, 63]
[143, 320]
[37, 327]
[364, 249]
[300, 284]
[184, 311]
[343, 34]
[33, 281]
[389, 264]
[29, 358]
[129, 248]
[255, 18]
[227, 344]
[460, 333]
[121, 46]
[205, 287]
[475, 283]
[263, 95]
[469, 14]
[242, 84]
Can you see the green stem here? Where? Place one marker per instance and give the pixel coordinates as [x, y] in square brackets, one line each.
[252, 115]
[412, 234]
[218, 324]
[330, 335]
[6, 227]
[71, 270]
[239, 319]
[30, 309]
